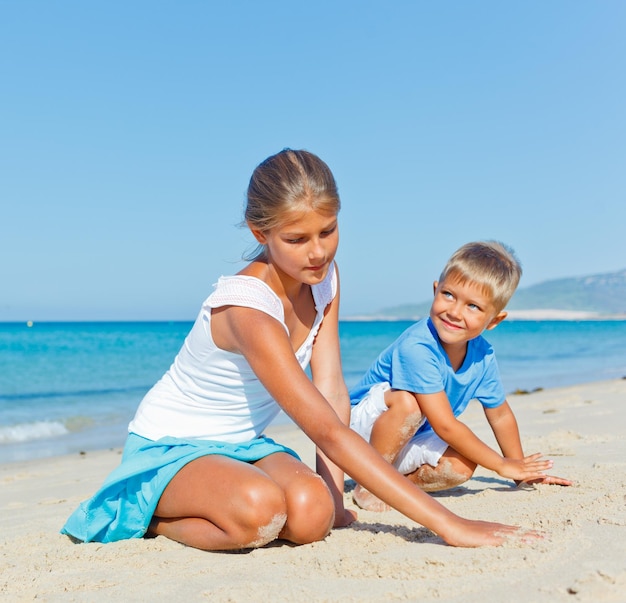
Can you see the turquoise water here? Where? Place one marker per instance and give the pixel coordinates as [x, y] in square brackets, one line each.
[66, 387]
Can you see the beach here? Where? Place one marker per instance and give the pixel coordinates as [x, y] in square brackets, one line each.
[383, 556]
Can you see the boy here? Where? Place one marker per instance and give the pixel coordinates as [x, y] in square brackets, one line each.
[408, 402]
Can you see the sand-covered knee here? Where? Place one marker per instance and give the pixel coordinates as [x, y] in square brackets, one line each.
[410, 425]
[442, 477]
[269, 532]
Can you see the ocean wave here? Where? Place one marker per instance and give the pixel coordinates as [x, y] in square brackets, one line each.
[74, 394]
[37, 430]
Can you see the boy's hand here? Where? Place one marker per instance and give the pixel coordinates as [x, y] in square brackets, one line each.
[526, 469]
[546, 479]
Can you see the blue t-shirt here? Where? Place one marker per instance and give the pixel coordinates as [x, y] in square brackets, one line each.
[417, 363]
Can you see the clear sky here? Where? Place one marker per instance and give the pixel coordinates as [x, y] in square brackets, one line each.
[129, 130]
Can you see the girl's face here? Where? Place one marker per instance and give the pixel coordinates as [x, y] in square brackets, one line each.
[303, 245]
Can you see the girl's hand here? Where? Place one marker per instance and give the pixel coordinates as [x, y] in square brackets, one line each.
[468, 533]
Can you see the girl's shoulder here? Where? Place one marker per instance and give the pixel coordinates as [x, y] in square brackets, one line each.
[252, 292]
[246, 291]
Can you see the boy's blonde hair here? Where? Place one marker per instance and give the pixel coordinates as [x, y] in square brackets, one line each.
[491, 265]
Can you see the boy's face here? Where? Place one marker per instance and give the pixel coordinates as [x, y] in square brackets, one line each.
[462, 311]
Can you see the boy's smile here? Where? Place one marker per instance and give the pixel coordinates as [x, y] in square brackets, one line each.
[461, 311]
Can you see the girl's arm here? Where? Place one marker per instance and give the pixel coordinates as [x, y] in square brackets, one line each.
[327, 376]
[258, 337]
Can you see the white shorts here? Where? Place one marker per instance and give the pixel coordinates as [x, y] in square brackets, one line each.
[421, 449]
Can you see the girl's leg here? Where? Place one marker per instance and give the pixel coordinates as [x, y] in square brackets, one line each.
[391, 431]
[310, 506]
[452, 470]
[218, 503]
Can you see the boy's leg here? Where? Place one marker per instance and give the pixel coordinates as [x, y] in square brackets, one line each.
[394, 428]
[390, 433]
[452, 470]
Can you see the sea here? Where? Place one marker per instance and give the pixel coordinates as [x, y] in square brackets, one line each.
[73, 387]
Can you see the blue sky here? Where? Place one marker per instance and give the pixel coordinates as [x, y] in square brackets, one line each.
[129, 130]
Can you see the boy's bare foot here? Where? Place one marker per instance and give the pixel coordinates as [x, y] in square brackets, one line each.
[367, 501]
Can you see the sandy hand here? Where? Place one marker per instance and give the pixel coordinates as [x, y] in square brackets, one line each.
[528, 468]
[552, 480]
[483, 533]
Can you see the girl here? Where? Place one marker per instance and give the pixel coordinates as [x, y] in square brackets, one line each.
[196, 467]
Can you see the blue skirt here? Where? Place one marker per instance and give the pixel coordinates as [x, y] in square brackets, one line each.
[124, 506]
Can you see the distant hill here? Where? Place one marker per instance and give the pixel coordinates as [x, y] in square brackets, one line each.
[600, 293]
[584, 297]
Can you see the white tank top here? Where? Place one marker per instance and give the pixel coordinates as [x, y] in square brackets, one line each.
[212, 394]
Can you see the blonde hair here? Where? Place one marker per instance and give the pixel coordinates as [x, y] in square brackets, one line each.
[285, 182]
[491, 265]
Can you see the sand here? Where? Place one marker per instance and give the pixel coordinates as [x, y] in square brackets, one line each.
[382, 557]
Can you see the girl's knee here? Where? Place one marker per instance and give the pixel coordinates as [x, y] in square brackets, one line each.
[311, 511]
[268, 532]
[261, 512]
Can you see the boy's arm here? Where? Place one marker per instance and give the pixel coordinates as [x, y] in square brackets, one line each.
[436, 408]
[505, 429]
